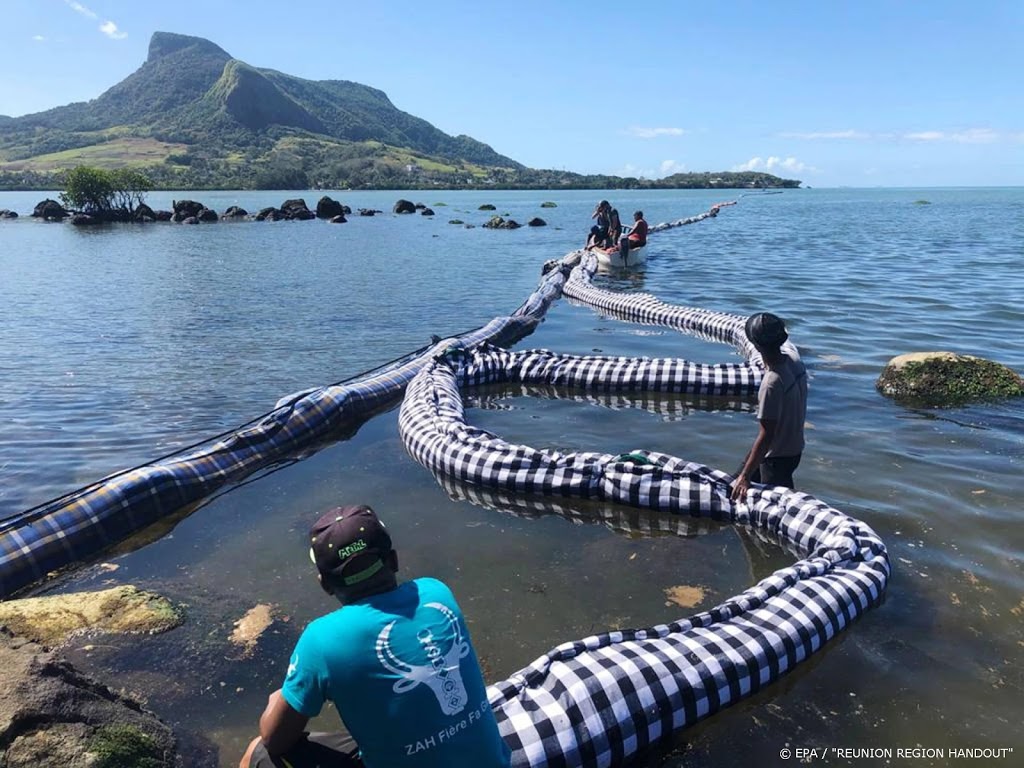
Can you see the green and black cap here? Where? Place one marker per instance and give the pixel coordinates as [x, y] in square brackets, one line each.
[349, 544]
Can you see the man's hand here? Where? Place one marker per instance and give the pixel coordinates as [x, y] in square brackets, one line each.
[740, 488]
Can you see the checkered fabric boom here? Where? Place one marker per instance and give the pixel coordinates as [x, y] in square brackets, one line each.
[649, 310]
[602, 699]
[79, 526]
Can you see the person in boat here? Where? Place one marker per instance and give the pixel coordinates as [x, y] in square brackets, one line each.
[396, 660]
[599, 232]
[637, 237]
[781, 409]
[614, 226]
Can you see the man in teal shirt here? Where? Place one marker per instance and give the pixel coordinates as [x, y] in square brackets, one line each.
[395, 659]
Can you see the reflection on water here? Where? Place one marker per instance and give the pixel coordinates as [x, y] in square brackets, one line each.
[129, 342]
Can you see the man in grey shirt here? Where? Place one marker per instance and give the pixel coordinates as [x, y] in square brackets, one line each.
[781, 408]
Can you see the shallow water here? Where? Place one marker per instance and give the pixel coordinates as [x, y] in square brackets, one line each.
[124, 343]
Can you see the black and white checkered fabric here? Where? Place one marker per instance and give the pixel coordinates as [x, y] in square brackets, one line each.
[643, 523]
[649, 310]
[667, 408]
[599, 700]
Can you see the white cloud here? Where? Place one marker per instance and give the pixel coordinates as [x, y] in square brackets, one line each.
[39, 38]
[79, 8]
[669, 167]
[110, 29]
[848, 134]
[968, 136]
[773, 164]
[653, 133]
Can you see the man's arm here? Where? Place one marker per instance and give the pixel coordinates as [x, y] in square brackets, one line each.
[280, 725]
[765, 435]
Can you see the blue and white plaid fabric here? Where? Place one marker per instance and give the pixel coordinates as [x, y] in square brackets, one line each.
[602, 699]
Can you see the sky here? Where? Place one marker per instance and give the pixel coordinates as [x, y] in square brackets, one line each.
[831, 92]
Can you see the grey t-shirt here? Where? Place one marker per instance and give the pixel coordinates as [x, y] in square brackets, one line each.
[783, 399]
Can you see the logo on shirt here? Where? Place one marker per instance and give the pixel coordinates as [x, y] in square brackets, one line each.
[293, 665]
[441, 675]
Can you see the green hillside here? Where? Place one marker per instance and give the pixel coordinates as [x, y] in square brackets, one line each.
[194, 117]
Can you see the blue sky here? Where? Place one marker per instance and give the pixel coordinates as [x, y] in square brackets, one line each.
[834, 93]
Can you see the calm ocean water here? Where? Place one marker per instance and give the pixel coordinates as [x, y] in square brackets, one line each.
[120, 344]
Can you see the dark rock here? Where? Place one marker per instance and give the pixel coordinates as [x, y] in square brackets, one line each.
[185, 208]
[85, 220]
[456, 221]
[536, 222]
[164, 215]
[404, 206]
[366, 212]
[144, 213]
[426, 212]
[346, 210]
[234, 212]
[549, 204]
[49, 210]
[207, 214]
[339, 219]
[6, 214]
[328, 208]
[265, 213]
[943, 379]
[51, 714]
[296, 209]
[190, 220]
[496, 222]
[486, 207]
[420, 206]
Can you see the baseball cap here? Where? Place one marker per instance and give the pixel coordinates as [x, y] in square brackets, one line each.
[766, 330]
[349, 544]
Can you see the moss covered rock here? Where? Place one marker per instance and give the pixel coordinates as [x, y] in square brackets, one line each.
[50, 714]
[942, 379]
[51, 620]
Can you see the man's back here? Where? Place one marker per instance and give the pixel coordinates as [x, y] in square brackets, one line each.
[402, 672]
[783, 399]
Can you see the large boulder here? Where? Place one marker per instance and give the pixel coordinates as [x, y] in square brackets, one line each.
[339, 219]
[164, 215]
[234, 212]
[328, 208]
[8, 214]
[85, 220]
[536, 221]
[427, 212]
[942, 379]
[184, 209]
[207, 214]
[486, 207]
[50, 714]
[297, 209]
[404, 206]
[49, 210]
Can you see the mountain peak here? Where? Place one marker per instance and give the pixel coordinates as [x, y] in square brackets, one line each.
[165, 43]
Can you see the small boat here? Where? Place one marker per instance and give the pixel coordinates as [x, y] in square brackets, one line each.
[614, 258]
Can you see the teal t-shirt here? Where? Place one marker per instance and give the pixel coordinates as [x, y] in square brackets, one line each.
[401, 670]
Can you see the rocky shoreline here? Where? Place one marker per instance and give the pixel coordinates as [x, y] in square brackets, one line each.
[195, 212]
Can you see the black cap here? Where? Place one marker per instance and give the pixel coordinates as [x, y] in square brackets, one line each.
[349, 544]
[766, 330]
